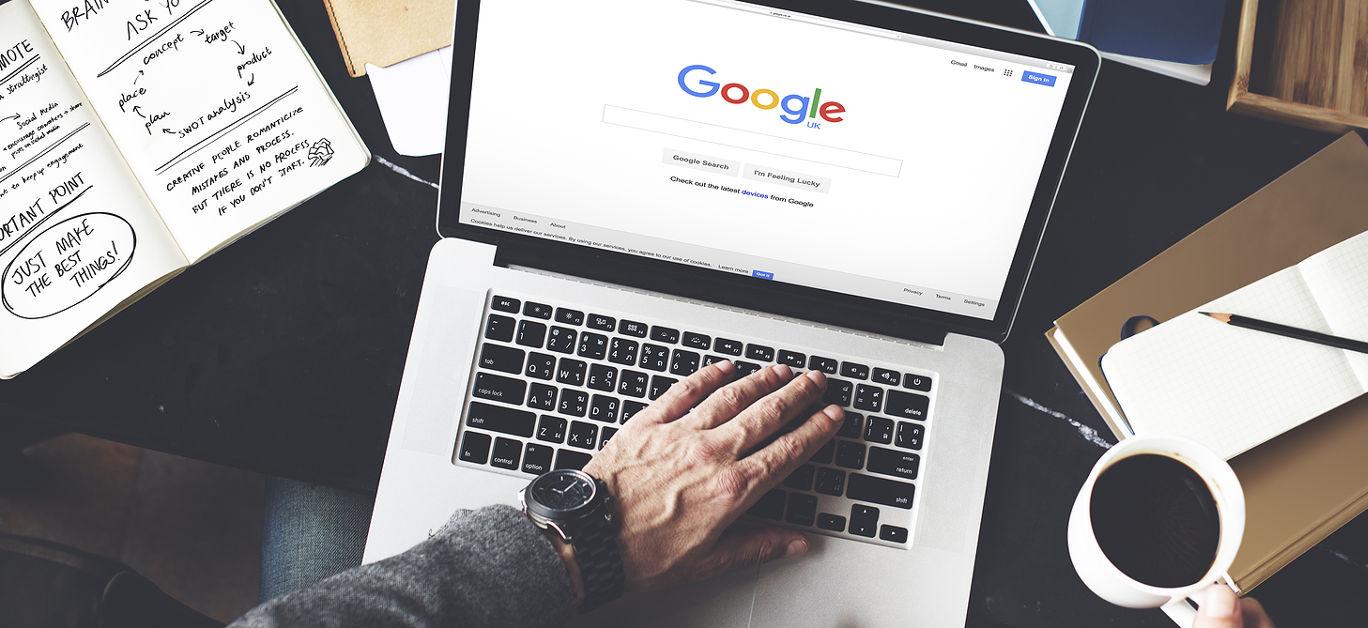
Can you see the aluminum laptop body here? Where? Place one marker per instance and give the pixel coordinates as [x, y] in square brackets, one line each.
[850, 186]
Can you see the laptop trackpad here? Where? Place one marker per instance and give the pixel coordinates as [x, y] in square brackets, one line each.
[721, 602]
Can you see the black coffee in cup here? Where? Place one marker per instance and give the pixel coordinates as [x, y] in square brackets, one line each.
[1156, 520]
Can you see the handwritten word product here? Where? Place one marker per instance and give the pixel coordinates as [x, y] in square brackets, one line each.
[138, 139]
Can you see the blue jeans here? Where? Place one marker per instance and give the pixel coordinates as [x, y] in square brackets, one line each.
[310, 532]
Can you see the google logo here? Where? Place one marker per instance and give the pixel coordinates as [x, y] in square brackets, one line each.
[796, 108]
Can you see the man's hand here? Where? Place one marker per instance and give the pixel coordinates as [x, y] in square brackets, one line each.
[1221, 609]
[685, 468]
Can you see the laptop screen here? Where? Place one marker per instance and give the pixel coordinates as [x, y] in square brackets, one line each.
[758, 142]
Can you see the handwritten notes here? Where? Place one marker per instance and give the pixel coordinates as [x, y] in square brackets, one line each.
[67, 264]
[77, 235]
[215, 105]
[137, 137]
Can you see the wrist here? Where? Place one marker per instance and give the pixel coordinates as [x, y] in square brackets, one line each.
[576, 510]
[566, 552]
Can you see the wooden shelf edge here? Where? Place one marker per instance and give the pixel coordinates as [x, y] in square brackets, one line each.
[1244, 52]
[1309, 116]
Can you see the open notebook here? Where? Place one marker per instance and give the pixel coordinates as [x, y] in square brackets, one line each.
[1231, 388]
[139, 138]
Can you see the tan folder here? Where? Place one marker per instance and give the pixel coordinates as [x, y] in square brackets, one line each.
[385, 32]
[1305, 484]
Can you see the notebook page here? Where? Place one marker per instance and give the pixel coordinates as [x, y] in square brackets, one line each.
[1226, 387]
[1338, 278]
[214, 104]
[77, 235]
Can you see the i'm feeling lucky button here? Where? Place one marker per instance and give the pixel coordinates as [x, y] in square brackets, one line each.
[788, 178]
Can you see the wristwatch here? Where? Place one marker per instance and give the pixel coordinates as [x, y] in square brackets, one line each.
[578, 508]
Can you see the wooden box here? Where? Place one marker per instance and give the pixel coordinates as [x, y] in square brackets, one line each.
[1306, 63]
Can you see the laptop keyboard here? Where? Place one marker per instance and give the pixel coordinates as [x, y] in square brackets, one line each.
[553, 384]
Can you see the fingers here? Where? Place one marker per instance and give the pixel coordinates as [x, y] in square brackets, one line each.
[733, 399]
[740, 548]
[1254, 614]
[763, 418]
[778, 459]
[1220, 608]
[686, 393]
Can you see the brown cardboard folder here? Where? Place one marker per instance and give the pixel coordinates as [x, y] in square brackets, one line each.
[385, 32]
[1305, 484]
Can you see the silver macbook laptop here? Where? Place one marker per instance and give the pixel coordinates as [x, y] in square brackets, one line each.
[633, 190]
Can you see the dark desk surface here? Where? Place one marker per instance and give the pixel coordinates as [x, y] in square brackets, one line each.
[284, 353]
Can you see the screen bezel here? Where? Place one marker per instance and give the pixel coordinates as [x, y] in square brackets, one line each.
[813, 304]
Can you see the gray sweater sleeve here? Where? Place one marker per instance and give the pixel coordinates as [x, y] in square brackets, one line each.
[486, 567]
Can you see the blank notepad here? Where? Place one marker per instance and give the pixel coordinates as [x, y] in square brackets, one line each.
[1231, 388]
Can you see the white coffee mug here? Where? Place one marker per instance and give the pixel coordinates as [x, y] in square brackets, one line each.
[1106, 580]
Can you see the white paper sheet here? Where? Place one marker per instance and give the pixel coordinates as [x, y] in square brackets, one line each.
[413, 101]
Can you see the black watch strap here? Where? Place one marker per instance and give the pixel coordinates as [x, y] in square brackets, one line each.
[600, 562]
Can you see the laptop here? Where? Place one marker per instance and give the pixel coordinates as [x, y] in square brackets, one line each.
[633, 190]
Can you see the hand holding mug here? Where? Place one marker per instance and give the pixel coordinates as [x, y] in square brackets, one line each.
[1222, 609]
[1158, 520]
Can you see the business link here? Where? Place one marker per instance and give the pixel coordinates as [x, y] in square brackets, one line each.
[742, 191]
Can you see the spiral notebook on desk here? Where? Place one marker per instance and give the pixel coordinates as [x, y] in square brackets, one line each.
[1232, 389]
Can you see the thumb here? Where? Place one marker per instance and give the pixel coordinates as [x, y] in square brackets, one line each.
[746, 547]
[1220, 609]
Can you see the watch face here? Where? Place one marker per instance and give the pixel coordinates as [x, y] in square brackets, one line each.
[562, 491]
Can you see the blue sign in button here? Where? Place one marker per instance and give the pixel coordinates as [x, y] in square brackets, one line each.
[762, 274]
[1037, 78]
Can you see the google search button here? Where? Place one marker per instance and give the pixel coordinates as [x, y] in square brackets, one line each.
[1038, 78]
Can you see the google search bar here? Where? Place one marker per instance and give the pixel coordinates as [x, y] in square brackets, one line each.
[751, 140]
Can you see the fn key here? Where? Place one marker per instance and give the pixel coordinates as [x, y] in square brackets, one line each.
[475, 447]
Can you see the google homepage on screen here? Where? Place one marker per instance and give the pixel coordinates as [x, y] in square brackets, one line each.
[780, 146]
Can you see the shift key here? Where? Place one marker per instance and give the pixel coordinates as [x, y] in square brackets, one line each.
[867, 488]
[502, 420]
